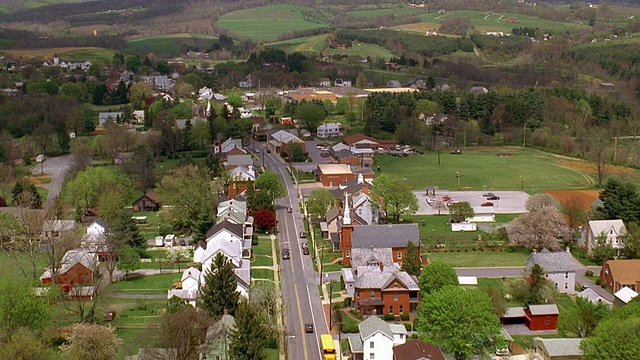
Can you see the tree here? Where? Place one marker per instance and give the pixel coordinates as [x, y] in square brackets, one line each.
[111, 203]
[537, 283]
[192, 192]
[395, 195]
[310, 115]
[248, 340]
[26, 241]
[436, 275]
[573, 209]
[361, 81]
[264, 219]
[175, 304]
[342, 106]
[83, 192]
[264, 301]
[319, 202]
[411, 261]
[581, 319]
[128, 260]
[95, 342]
[461, 211]
[19, 308]
[497, 300]
[296, 152]
[219, 292]
[538, 201]
[602, 250]
[614, 337]
[141, 168]
[24, 344]
[126, 230]
[184, 332]
[539, 229]
[460, 321]
[620, 200]
[269, 183]
[44, 136]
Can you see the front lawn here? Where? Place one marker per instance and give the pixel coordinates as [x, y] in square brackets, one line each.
[481, 259]
[264, 274]
[149, 284]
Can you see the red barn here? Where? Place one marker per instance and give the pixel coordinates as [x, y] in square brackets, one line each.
[541, 317]
[78, 266]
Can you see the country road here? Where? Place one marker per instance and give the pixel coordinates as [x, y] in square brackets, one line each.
[56, 168]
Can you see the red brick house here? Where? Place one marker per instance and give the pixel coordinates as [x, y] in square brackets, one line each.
[335, 174]
[386, 292]
[147, 202]
[617, 274]
[388, 236]
[78, 267]
[541, 317]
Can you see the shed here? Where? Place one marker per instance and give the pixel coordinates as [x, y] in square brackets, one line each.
[147, 202]
[541, 317]
[513, 315]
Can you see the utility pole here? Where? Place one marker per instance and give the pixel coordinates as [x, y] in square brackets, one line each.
[458, 176]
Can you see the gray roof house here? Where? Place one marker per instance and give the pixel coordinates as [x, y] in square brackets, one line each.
[385, 236]
[219, 337]
[377, 339]
[105, 117]
[560, 349]
[559, 268]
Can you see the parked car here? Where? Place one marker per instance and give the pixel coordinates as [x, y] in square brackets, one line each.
[493, 198]
[319, 145]
[286, 254]
[305, 250]
[488, 203]
[446, 198]
[488, 194]
[325, 154]
[308, 328]
[303, 235]
[182, 242]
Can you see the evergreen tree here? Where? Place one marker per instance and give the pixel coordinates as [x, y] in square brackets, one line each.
[212, 128]
[16, 192]
[35, 200]
[536, 286]
[220, 292]
[411, 262]
[204, 222]
[250, 194]
[249, 337]
[88, 125]
[125, 229]
[186, 136]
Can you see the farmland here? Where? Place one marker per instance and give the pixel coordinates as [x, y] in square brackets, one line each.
[268, 22]
[170, 44]
[93, 54]
[506, 168]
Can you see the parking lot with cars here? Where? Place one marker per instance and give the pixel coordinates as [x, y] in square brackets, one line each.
[502, 202]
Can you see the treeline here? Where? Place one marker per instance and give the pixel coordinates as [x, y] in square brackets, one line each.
[503, 44]
[621, 60]
[425, 46]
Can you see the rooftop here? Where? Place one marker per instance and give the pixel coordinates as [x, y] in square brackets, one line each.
[385, 236]
[560, 261]
[547, 309]
[334, 169]
[560, 347]
[625, 272]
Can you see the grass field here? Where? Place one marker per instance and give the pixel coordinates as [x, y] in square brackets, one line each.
[93, 54]
[363, 50]
[313, 44]
[481, 259]
[150, 284]
[170, 44]
[504, 168]
[266, 23]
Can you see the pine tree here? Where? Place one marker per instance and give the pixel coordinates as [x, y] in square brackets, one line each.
[35, 200]
[249, 337]
[411, 263]
[15, 192]
[186, 136]
[125, 229]
[212, 129]
[219, 291]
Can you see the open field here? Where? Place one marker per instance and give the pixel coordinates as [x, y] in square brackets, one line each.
[363, 50]
[150, 284]
[504, 168]
[170, 44]
[93, 54]
[266, 23]
[481, 258]
[315, 44]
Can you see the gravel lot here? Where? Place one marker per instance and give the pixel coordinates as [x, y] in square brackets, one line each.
[511, 202]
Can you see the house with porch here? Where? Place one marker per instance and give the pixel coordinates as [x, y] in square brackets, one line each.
[610, 232]
[78, 266]
[279, 140]
[386, 292]
[188, 287]
[377, 339]
[218, 338]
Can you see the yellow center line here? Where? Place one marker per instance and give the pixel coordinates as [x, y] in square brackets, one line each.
[304, 340]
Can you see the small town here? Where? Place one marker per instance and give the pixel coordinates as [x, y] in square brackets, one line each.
[319, 180]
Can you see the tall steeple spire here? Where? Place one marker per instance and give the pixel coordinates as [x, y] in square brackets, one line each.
[346, 220]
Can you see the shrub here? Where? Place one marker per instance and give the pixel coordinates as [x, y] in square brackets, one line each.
[356, 313]
[3, 202]
[404, 317]
[588, 273]
[254, 240]
[350, 328]
[337, 306]
[346, 302]
[408, 326]
[414, 336]
[26, 159]
[271, 343]
[389, 317]
[597, 281]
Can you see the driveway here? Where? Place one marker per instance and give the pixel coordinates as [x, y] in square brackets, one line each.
[56, 168]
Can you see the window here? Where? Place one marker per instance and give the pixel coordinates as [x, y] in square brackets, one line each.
[372, 356]
[347, 253]
[566, 286]
[371, 344]
[547, 322]
[391, 309]
[399, 255]
[373, 293]
[395, 296]
[566, 275]
[401, 309]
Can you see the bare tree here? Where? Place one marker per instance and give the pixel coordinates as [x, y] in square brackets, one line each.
[440, 205]
[26, 241]
[58, 241]
[543, 228]
[183, 333]
[599, 152]
[7, 174]
[83, 298]
[573, 209]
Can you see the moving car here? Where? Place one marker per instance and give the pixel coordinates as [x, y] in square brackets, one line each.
[488, 203]
[289, 210]
[493, 198]
[488, 194]
[308, 328]
[286, 254]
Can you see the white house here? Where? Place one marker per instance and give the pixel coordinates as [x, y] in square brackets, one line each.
[330, 130]
[377, 339]
[558, 268]
[189, 286]
[342, 83]
[611, 231]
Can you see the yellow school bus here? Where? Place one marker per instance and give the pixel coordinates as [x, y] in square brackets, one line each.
[328, 348]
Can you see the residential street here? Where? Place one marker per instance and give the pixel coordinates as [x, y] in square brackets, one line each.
[56, 168]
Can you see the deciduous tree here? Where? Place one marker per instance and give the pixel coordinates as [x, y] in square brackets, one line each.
[319, 202]
[461, 321]
[219, 291]
[269, 182]
[543, 228]
[24, 344]
[264, 219]
[460, 211]
[20, 308]
[184, 332]
[613, 339]
[84, 191]
[95, 342]
[310, 115]
[581, 319]
[411, 261]
[128, 260]
[573, 209]
[436, 275]
[395, 195]
[539, 201]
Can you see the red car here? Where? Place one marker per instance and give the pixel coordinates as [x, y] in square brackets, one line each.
[488, 203]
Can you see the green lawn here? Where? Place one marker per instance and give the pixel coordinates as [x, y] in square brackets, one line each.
[264, 274]
[151, 284]
[518, 169]
[170, 44]
[363, 50]
[9, 266]
[266, 23]
[481, 259]
[307, 44]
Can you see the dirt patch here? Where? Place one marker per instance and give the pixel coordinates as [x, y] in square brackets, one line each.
[590, 168]
[587, 196]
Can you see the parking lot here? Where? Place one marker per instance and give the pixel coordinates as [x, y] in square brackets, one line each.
[510, 202]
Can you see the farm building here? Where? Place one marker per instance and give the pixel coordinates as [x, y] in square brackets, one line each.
[541, 317]
[616, 274]
[78, 266]
[557, 349]
[146, 202]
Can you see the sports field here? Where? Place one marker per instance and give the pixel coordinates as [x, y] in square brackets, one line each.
[266, 23]
[505, 168]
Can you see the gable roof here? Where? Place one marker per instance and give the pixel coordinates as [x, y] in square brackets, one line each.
[417, 350]
[58, 225]
[603, 226]
[239, 160]
[625, 271]
[385, 236]
[352, 139]
[191, 273]
[593, 296]
[363, 257]
[332, 214]
[150, 195]
[99, 221]
[546, 309]
[286, 137]
[372, 325]
[232, 249]
[560, 261]
[382, 280]
[236, 229]
[561, 347]
[73, 257]
[226, 324]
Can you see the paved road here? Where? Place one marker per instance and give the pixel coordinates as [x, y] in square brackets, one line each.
[56, 168]
[299, 280]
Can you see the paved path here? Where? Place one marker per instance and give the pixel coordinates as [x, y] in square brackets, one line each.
[56, 168]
